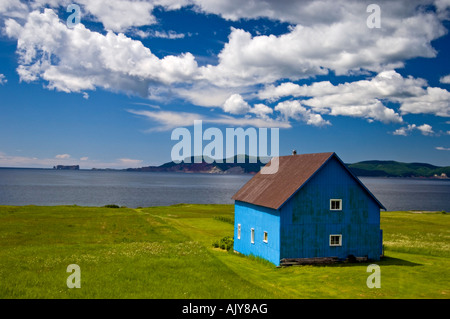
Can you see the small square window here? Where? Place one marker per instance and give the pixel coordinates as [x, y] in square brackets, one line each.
[253, 236]
[239, 231]
[335, 240]
[265, 237]
[335, 204]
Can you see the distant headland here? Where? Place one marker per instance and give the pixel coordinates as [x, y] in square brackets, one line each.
[244, 165]
[67, 167]
[252, 165]
[364, 168]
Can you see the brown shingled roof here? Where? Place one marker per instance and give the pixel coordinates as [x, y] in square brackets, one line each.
[273, 190]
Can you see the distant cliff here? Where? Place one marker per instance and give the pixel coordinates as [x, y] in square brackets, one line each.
[399, 169]
[365, 168]
[232, 167]
[67, 167]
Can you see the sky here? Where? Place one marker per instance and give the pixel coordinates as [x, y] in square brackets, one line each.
[103, 84]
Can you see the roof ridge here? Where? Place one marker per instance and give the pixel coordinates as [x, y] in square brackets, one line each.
[305, 154]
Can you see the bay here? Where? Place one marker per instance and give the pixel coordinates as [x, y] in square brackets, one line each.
[143, 189]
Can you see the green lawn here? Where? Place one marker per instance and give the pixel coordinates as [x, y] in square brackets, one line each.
[166, 252]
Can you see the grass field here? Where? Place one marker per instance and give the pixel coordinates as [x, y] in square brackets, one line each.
[167, 252]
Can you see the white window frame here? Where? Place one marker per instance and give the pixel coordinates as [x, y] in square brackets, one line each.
[340, 240]
[340, 204]
[252, 236]
[266, 237]
[239, 231]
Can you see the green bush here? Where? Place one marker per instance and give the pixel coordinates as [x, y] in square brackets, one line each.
[226, 243]
[112, 206]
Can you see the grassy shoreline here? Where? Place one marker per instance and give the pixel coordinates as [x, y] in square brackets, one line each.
[166, 252]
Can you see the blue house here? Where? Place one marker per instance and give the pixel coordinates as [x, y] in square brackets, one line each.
[313, 206]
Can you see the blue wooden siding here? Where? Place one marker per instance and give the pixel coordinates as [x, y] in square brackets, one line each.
[261, 219]
[307, 221]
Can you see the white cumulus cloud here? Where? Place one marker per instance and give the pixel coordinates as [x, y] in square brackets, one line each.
[62, 156]
[445, 79]
[3, 79]
[235, 104]
[366, 98]
[294, 110]
[86, 60]
[339, 41]
[159, 34]
[261, 110]
[425, 129]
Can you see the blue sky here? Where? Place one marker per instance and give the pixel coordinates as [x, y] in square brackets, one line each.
[109, 91]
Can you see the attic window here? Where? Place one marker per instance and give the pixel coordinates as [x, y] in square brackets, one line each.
[335, 204]
[335, 240]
